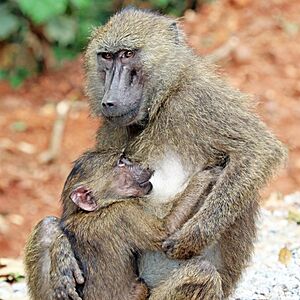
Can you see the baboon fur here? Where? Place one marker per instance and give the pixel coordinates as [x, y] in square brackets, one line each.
[111, 235]
[190, 117]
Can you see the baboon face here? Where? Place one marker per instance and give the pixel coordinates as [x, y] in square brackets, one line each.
[131, 62]
[127, 179]
[122, 78]
[131, 179]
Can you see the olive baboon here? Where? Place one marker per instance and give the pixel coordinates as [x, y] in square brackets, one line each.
[108, 229]
[169, 110]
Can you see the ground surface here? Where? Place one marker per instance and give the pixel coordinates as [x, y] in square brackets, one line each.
[274, 271]
[265, 63]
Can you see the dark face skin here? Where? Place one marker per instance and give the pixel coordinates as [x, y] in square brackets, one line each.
[123, 86]
[128, 180]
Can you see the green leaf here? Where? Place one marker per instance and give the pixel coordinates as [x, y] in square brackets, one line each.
[61, 29]
[8, 23]
[16, 77]
[13, 277]
[3, 74]
[40, 11]
[62, 54]
[83, 32]
[294, 215]
[160, 3]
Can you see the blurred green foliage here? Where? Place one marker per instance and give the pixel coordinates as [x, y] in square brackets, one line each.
[39, 34]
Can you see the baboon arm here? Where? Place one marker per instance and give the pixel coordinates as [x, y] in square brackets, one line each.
[251, 163]
[146, 226]
[187, 202]
[253, 155]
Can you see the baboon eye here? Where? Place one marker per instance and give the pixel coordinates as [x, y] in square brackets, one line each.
[128, 53]
[107, 55]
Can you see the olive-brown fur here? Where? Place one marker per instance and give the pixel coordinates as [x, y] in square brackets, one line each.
[187, 109]
[193, 112]
[105, 241]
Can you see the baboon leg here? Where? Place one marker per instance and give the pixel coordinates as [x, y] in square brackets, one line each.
[236, 247]
[48, 250]
[37, 257]
[197, 279]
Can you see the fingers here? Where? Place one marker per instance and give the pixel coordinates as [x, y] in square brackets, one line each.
[69, 294]
[168, 245]
[78, 274]
[171, 247]
[73, 294]
[178, 246]
[61, 295]
[65, 285]
[66, 289]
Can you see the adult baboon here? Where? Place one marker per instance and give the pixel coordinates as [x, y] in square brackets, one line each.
[169, 110]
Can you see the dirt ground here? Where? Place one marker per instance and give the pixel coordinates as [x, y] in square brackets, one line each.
[264, 62]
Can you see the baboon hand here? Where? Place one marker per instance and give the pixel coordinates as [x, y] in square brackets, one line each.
[65, 278]
[65, 273]
[139, 291]
[185, 243]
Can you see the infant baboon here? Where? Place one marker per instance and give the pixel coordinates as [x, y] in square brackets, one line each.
[105, 239]
[107, 228]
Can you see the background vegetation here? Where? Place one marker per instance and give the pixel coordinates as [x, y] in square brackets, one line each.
[36, 35]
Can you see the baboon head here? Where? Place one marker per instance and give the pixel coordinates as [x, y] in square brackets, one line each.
[131, 63]
[127, 179]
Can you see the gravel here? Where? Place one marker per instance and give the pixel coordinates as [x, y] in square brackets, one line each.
[16, 291]
[267, 277]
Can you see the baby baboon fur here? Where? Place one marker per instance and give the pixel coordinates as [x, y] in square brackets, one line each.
[107, 233]
[169, 110]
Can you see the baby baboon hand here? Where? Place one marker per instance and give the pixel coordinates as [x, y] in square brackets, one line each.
[65, 278]
[65, 273]
[65, 290]
[185, 243]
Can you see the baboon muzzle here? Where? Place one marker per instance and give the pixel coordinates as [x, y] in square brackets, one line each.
[123, 92]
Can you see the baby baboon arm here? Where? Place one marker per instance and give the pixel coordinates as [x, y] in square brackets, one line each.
[144, 229]
[37, 257]
[253, 155]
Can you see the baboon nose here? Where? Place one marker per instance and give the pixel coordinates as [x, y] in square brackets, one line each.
[109, 107]
[108, 104]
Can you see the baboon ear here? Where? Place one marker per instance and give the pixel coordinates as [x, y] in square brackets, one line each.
[84, 198]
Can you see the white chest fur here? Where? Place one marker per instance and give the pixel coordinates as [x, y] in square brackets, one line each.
[170, 177]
